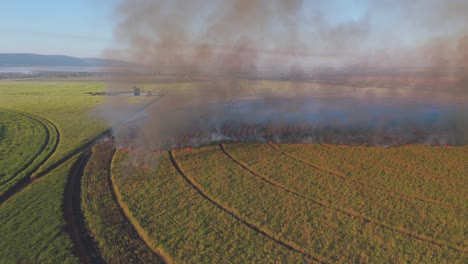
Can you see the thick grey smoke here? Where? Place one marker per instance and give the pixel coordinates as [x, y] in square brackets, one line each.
[321, 57]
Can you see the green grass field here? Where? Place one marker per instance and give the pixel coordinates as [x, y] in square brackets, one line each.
[27, 141]
[65, 104]
[32, 226]
[41, 123]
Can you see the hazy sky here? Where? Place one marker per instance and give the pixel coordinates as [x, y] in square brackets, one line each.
[78, 28]
[85, 27]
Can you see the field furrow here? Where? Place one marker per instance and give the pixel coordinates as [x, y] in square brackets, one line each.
[320, 227]
[10, 145]
[187, 226]
[447, 166]
[347, 211]
[36, 139]
[352, 163]
[193, 179]
[54, 139]
[371, 186]
[448, 162]
[265, 232]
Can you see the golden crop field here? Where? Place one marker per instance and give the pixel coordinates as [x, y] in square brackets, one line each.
[258, 202]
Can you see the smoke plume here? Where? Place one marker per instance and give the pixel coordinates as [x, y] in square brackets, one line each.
[392, 72]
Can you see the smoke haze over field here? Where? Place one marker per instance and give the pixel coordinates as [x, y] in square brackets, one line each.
[242, 35]
[225, 43]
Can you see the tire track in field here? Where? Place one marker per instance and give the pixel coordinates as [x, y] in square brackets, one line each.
[425, 157]
[44, 145]
[31, 161]
[426, 175]
[84, 246]
[54, 148]
[33, 177]
[380, 189]
[408, 168]
[268, 234]
[429, 159]
[135, 227]
[29, 179]
[345, 211]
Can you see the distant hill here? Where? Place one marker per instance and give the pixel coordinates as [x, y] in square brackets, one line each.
[36, 60]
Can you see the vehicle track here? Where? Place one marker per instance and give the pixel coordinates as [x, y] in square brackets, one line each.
[29, 179]
[34, 176]
[345, 211]
[431, 159]
[84, 246]
[268, 234]
[409, 168]
[380, 189]
[135, 227]
[55, 146]
[41, 149]
[419, 173]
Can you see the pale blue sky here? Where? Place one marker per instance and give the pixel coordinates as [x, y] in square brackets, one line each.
[78, 27]
[84, 28]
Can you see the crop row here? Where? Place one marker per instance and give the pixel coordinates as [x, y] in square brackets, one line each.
[409, 216]
[27, 142]
[358, 164]
[316, 224]
[184, 223]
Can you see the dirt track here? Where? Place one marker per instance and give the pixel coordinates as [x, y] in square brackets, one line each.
[85, 247]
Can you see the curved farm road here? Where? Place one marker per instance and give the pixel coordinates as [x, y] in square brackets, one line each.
[29, 179]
